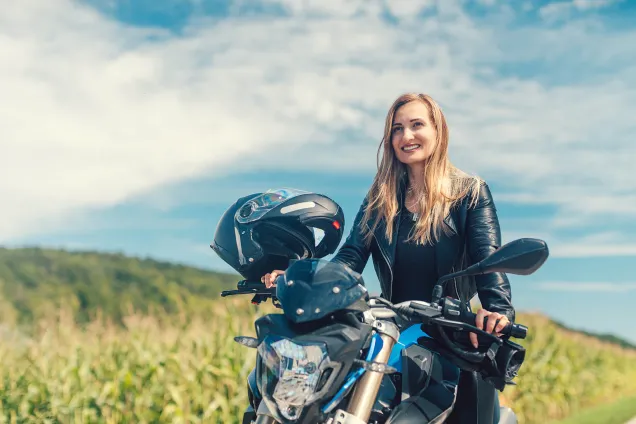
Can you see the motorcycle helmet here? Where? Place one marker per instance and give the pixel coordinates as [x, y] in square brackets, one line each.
[264, 231]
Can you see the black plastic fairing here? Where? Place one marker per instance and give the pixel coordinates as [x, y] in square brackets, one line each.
[316, 288]
[429, 390]
[417, 364]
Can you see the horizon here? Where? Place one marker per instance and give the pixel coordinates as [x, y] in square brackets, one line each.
[230, 271]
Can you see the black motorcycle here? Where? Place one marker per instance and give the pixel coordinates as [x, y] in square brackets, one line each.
[337, 355]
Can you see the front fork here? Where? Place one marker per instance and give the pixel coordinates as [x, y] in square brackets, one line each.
[366, 391]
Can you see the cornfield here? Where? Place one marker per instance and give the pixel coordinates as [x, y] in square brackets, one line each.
[189, 370]
[565, 372]
[167, 370]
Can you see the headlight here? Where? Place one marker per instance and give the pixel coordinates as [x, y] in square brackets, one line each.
[291, 372]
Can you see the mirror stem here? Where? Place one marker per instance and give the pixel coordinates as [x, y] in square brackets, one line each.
[438, 289]
[437, 293]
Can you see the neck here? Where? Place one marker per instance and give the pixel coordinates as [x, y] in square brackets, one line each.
[415, 173]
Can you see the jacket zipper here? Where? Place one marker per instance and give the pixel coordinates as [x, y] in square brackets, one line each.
[386, 259]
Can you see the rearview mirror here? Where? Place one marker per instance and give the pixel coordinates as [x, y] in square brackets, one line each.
[521, 257]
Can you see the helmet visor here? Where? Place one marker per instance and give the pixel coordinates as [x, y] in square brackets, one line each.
[260, 205]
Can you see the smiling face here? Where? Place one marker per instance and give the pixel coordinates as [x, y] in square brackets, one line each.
[413, 135]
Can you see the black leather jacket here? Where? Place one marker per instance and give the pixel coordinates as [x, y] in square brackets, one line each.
[475, 234]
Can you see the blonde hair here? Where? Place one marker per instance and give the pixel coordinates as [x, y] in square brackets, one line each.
[443, 183]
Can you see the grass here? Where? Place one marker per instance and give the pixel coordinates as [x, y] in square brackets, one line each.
[615, 413]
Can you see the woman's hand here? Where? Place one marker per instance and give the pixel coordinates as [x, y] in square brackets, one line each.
[491, 325]
[269, 278]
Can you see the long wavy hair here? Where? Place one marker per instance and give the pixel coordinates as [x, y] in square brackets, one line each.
[443, 183]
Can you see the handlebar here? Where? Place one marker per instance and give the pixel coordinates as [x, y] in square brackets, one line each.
[451, 314]
[495, 356]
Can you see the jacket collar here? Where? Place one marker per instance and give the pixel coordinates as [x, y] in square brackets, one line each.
[446, 249]
[401, 193]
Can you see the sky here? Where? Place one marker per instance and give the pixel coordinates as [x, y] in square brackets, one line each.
[132, 126]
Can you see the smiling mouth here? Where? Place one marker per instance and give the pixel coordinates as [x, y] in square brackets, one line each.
[410, 147]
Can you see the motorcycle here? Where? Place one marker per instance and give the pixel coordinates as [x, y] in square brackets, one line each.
[337, 355]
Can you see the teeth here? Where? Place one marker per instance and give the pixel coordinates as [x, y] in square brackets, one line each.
[410, 147]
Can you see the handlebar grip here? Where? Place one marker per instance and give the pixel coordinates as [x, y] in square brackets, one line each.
[518, 331]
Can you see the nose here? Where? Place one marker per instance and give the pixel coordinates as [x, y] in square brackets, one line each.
[407, 134]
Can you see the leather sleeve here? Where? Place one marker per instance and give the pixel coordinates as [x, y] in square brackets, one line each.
[483, 237]
[354, 253]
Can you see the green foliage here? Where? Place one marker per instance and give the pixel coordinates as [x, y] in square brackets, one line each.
[36, 282]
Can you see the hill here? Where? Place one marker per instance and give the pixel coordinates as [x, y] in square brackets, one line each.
[34, 282]
[606, 337]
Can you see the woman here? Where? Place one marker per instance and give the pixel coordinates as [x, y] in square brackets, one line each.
[423, 218]
[413, 243]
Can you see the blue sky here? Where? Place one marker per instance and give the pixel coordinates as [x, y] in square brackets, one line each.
[131, 126]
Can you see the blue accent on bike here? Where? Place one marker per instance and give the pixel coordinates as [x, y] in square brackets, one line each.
[408, 338]
[374, 349]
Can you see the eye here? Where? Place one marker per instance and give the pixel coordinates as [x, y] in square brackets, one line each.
[396, 129]
[418, 123]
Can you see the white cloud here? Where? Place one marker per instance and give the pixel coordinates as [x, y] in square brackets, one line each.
[608, 249]
[95, 112]
[487, 2]
[590, 243]
[565, 9]
[320, 7]
[409, 8]
[604, 287]
[592, 4]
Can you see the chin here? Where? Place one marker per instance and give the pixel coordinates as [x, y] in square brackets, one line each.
[411, 160]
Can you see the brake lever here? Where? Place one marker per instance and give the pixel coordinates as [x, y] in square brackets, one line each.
[252, 291]
[245, 287]
[225, 293]
[462, 326]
